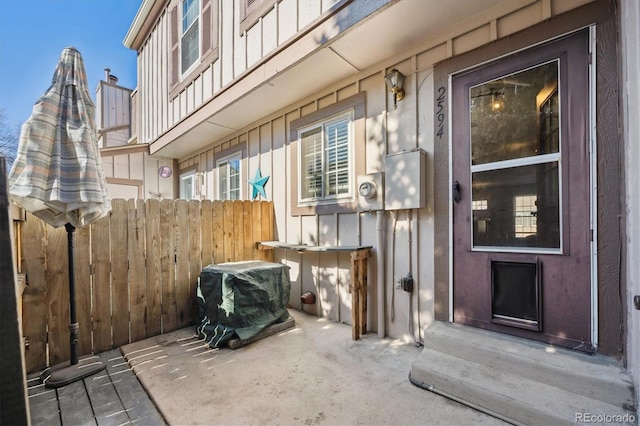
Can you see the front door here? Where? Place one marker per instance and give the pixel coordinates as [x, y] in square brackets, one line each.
[521, 190]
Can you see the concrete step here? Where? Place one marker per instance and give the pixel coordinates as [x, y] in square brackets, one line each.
[522, 381]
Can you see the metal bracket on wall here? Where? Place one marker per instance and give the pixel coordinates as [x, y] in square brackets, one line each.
[636, 301]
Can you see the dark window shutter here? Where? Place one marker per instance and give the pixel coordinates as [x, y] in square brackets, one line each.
[251, 5]
[207, 37]
[251, 12]
[175, 47]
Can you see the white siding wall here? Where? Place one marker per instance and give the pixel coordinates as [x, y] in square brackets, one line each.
[113, 110]
[156, 112]
[237, 54]
[127, 170]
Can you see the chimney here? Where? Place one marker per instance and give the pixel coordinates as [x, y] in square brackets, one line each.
[108, 77]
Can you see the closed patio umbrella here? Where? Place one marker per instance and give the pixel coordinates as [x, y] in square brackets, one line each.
[58, 176]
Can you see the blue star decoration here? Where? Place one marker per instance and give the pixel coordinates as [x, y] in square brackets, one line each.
[257, 185]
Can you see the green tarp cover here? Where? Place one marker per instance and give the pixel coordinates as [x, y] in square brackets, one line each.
[239, 299]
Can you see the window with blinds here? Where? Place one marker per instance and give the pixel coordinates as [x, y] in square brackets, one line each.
[325, 159]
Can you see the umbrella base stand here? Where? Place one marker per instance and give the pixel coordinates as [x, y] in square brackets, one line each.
[63, 374]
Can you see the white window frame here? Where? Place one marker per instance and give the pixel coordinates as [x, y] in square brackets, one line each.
[224, 162]
[525, 215]
[526, 161]
[302, 175]
[191, 175]
[183, 32]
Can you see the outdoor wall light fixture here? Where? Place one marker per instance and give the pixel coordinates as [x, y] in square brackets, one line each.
[394, 80]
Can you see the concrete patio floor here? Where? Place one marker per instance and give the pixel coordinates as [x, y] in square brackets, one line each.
[313, 373]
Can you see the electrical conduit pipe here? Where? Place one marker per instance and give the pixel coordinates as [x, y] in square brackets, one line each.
[380, 275]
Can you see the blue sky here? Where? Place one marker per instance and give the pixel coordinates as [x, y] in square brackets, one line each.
[33, 33]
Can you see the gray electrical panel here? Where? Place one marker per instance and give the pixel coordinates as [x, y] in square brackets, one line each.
[405, 180]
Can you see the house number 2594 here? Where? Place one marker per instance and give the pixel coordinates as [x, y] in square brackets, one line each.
[440, 111]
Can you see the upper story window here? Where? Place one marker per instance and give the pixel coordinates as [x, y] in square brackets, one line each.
[325, 159]
[190, 34]
[229, 174]
[194, 40]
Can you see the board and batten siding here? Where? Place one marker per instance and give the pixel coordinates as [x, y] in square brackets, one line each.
[409, 235]
[113, 115]
[238, 53]
[328, 274]
[161, 109]
[131, 170]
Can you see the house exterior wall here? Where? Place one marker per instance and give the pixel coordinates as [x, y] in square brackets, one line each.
[113, 114]
[238, 53]
[132, 173]
[409, 234]
[416, 240]
[412, 242]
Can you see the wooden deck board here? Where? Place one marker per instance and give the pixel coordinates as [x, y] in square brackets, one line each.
[137, 404]
[107, 407]
[75, 407]
[43, 403]
[111, 397]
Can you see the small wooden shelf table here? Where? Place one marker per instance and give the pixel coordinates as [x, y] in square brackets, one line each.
[358, 285]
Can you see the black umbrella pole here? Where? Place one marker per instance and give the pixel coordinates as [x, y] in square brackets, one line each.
[73, 326]
[63, 373]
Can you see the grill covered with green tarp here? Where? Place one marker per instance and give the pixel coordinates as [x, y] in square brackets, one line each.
[237, 300]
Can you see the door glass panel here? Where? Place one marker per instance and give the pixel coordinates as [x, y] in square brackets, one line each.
[515, 154]
[517, 207]
[515, 116]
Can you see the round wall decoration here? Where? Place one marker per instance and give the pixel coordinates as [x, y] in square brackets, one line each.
[164, 171]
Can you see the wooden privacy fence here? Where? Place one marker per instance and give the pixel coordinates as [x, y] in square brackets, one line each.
[135, 271]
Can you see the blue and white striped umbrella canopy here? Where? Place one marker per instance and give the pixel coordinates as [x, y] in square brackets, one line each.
[58, 174]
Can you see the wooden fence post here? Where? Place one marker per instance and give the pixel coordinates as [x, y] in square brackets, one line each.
[187, 296]
[13, 392]
[119, 273]
[34, 298]
[168, 242]
[137, 270]
[154, 270]
[101, 268]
